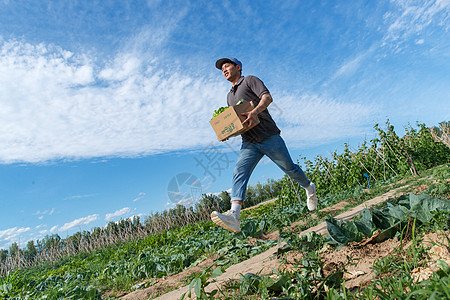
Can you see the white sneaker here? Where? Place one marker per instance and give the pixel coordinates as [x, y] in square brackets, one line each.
[228, 220]
[311, 197]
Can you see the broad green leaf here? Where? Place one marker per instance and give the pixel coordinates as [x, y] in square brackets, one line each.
[343, 233]
[7, 287]
[382, 220]
[399, 212]
[443, 265]
[352, 231]
[336, 232]
[197, 286]
[216, 273]
[262, 225]
[277, 285]
[334, 279]
[428, 203]
[387, 233]
[423, 205]
[403, 200]
[249, 228]
[365, 227]
[366, 215]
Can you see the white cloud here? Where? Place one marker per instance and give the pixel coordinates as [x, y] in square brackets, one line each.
[12, 232]
[79, 196]
[139, 197]
[353, 64]
[11, 235]
[56, 104]
[310, 120]
[117, 213]
[413, 18]
[48, 212]
[76, 223]
[420, 41]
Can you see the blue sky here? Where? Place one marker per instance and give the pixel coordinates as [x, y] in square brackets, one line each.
[105, 105]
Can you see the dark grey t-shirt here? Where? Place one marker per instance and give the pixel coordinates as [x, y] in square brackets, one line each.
[251, 88]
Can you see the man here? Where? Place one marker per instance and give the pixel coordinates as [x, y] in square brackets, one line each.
[263, 139]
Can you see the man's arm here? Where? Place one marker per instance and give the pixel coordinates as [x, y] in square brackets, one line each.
[264, 102]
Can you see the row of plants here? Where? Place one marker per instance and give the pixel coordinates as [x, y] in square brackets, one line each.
[381, 159]
[407, 217]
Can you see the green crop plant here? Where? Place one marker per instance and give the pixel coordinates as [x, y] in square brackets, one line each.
[200, 282]
[387, 222]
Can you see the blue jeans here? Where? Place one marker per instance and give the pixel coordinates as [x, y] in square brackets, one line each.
[249, 156]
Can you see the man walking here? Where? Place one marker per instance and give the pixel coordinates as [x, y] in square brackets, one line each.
[263, 139]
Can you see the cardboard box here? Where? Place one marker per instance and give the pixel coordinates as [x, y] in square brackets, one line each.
[229, 122]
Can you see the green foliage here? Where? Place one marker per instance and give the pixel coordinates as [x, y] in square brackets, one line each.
[119, 267]
[400, 285]
[200, 282]
[388, 221]
[259, 193]
[385, 157]
[219, 111]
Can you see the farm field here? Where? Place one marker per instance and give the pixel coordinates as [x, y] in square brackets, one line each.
[389, 241]
[340, 259]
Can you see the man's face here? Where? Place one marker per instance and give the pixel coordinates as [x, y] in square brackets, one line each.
[231, 72]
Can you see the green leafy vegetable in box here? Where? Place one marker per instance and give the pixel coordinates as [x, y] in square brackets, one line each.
[222, 109]
[219, 111]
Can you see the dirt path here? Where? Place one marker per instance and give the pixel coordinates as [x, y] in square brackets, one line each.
[263, 262]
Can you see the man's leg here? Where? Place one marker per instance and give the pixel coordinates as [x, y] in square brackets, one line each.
[248, 158]
[275, 148]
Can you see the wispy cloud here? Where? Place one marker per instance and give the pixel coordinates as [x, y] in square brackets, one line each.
[42, 214]
[118, 213]
[76, 223]
[139, 197]
[46, 212]
[322, 119]
[79, 196]
[131, 107]
[412, 18]
[11, 235]
[352, 64]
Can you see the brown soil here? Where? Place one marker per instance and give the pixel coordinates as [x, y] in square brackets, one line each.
[359, 270]
[166, 284]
